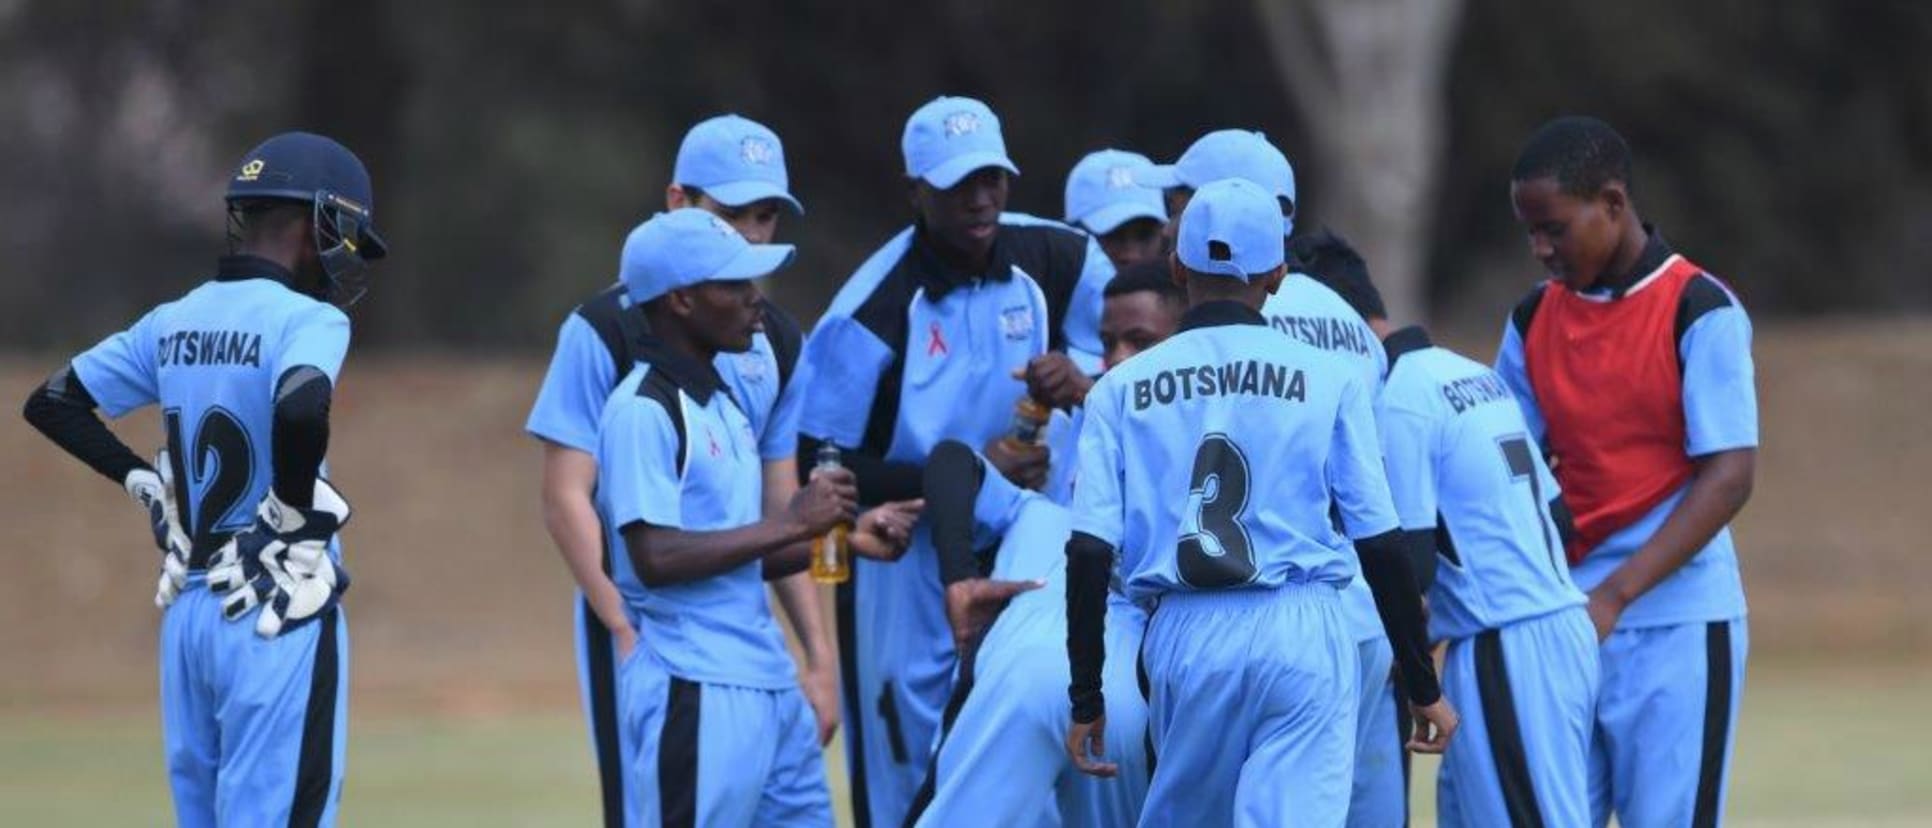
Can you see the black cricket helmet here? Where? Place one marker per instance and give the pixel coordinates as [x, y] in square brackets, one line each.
[316, 170]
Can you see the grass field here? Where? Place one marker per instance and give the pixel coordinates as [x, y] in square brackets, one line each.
[463, 703]
[1816, 747]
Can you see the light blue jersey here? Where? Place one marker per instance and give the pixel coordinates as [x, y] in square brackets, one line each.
[675, 451]
[1315, 315]
[1463, 467]
[1181, 443]
[254, 728]
[211, 360]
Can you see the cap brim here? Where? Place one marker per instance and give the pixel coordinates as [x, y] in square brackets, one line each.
[1159, 177]
[953, 170]
[755, 261]
[1109, 217]
[742, 193]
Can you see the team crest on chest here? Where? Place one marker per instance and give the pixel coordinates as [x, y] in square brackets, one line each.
[1016, 322]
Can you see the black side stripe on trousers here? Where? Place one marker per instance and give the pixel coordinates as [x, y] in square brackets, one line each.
[315, 767]
[968, 663]
[842, 604]
[1147, 699]
[1505, 732]
[599, 658]
[1717, 723]
[1404, 725]
[677, 756]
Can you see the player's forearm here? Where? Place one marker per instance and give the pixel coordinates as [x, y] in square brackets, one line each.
[63, 411]
[880, 480]
[571, 520]
[798, 597]
[1718, 491]
[299, 433]
[1387, 565]
[665, 556]
[952, 480]
[1089, 560]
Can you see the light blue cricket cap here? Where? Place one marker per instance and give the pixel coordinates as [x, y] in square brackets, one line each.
[1103, 193]
[1232, 227]
[689, 246]
[735, 160]
[1228, 153]
[951, 138]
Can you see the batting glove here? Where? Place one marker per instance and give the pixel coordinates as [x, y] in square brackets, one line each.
[153, 489]
[282, 565]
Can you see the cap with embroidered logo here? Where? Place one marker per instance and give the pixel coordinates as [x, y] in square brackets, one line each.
[951, 138]
[689, 246]
[1232, 227]
[735, 160]
[1228, 153]
[1103, 192]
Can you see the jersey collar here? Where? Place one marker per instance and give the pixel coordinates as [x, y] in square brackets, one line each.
[1412, 338]
[938, 277]
[698, 380]
[239, 266]
[1220, 312]
[1656, 254]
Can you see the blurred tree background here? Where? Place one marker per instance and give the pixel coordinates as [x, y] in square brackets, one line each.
[1785, 145]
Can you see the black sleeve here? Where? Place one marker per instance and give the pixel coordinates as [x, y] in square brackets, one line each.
[1387, 566]
[953, 477]
[1565, 521]
[880, 480]
[1088, 561]
[299, 433]
[63, 410]
[1422, 558]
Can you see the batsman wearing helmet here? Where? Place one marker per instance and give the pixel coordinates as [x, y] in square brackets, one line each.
[254, 648]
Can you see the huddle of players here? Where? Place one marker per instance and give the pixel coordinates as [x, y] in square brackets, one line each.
[1250, 482]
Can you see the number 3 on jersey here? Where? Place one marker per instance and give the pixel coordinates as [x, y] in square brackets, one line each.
[1215, 550]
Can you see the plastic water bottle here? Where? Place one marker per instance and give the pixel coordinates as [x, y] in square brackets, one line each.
[831, 558]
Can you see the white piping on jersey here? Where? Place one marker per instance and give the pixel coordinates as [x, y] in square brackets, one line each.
[1669, 261]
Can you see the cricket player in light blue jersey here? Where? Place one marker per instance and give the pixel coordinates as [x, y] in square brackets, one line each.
[1211, 463]
[1311, 313]
[1468, 481]
[713, 728]
[244, 368]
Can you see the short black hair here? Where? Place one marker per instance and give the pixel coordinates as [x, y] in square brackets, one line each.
[1582, 153]
[1153, 277]
[1329, 259]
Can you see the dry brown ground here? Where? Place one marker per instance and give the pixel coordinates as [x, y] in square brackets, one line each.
[459, 603]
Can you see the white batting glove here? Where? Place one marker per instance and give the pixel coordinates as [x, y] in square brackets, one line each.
[153, 489]
[281, 564]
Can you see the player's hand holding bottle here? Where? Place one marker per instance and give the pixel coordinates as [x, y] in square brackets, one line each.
[282, 563]
[830, 498]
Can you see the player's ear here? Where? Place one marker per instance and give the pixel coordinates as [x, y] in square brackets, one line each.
[1177, 272]
[674, 197]
[1616, 199]
[678, 302]
[1274, 278]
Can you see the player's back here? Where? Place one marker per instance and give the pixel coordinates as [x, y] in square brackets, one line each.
[1458, 428]
[1224, 435]
[211, 360]
[1315, 315]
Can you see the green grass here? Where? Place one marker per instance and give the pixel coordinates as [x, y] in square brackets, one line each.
[1816, 747]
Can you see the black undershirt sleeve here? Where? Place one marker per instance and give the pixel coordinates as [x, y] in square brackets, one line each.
[953, 477]
[63, 410]
[299, 433]
[880, 480]
[1421, 544]
[1089, 560]
[1388, 566]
